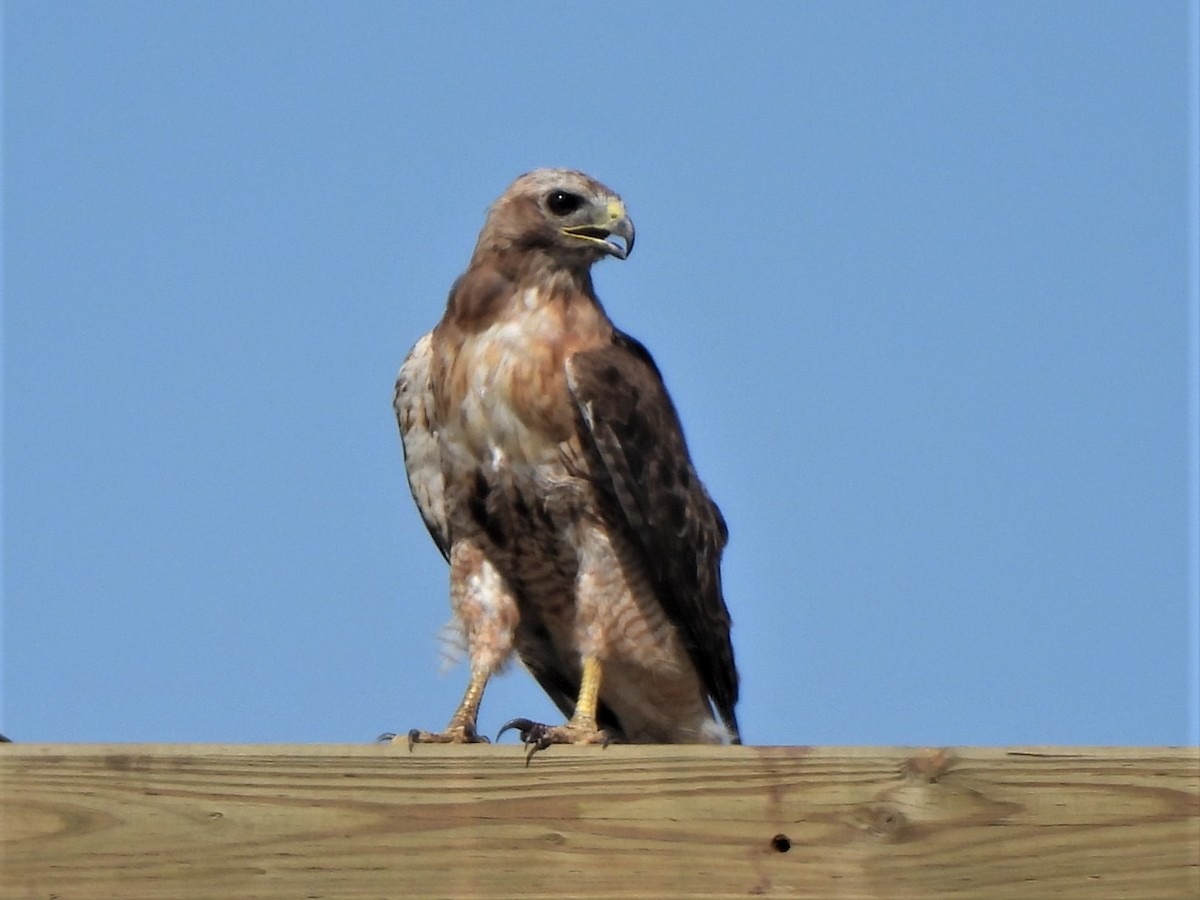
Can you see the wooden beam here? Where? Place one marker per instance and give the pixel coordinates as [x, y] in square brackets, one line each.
[194, 821]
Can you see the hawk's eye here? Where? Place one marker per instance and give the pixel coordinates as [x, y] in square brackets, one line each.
[562, 203]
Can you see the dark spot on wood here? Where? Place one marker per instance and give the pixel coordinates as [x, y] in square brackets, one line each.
[887, 823]
[781, 843]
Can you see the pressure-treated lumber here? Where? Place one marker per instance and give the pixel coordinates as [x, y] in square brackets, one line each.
[196, 821]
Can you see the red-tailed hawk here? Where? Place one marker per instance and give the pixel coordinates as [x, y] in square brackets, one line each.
[549, 464]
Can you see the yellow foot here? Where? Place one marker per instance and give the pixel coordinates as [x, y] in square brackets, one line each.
[536, 736]
[456, 733]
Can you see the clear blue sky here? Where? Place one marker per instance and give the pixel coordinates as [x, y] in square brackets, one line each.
[920, 277]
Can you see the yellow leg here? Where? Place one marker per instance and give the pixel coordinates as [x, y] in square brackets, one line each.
[582, 728]
[468, 710]
[462, 728]
[589, 695]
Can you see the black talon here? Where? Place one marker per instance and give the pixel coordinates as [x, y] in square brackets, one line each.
[386, 737]
[476, 737]
[538, 741]
[533, 735]
[524, 728]
[414, 735]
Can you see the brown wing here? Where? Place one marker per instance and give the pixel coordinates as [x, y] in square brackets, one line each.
[652, 491]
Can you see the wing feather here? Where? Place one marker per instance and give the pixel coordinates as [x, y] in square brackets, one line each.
[652, 491]
[422, 456]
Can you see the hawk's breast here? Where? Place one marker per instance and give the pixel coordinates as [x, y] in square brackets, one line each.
[508, 402]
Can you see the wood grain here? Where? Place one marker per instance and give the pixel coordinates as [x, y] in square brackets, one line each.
[197, 821]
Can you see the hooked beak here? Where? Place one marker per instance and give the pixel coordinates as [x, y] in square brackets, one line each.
[612, 222]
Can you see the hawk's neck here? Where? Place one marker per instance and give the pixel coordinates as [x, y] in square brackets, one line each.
[498, 286]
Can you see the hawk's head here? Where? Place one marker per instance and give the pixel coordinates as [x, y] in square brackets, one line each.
[563, 213]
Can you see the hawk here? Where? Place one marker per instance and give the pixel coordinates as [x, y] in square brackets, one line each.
[548, 462]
